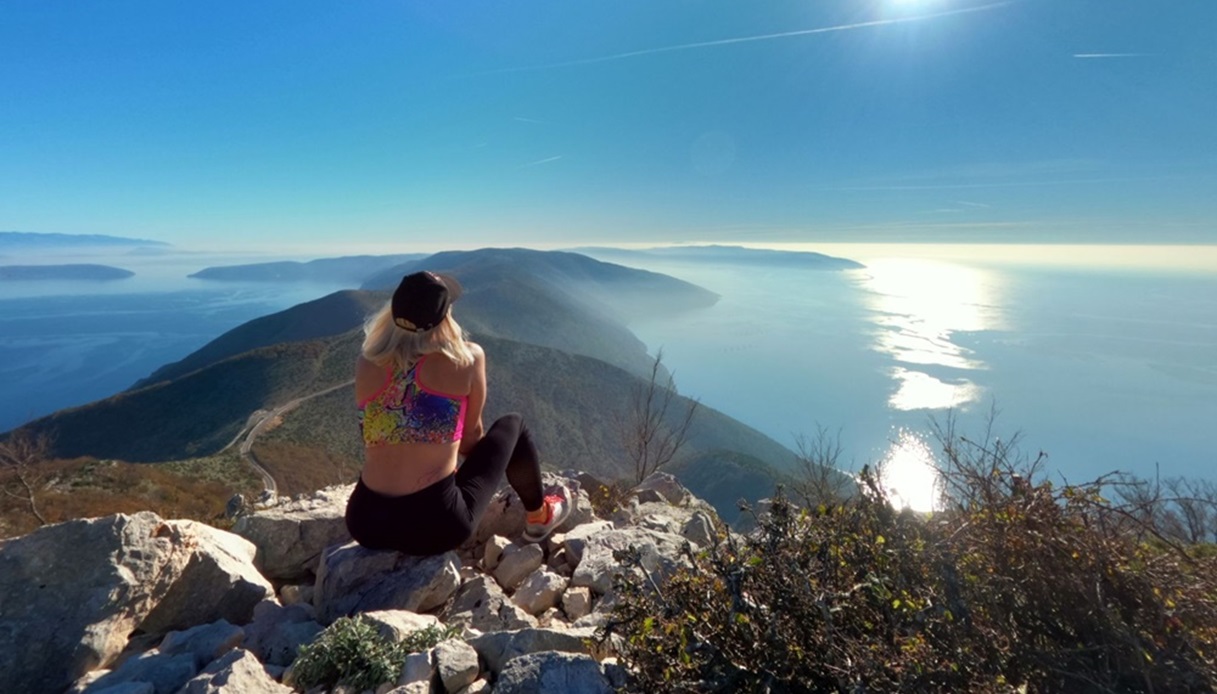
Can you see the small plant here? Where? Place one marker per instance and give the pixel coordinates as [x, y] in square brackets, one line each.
[426, 639]
[609, 498]
[352, 652]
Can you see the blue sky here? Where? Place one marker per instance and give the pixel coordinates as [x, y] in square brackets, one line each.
[378, 123]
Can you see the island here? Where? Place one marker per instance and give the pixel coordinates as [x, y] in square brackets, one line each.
[352, 269]
[35, 241]
[76, 271]
[734, 255]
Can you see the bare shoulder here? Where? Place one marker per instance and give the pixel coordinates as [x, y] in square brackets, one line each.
[479, 354]
[363, 365]
[369, 377]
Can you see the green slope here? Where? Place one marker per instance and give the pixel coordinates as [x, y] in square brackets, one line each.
[196, 414]
[572, 404]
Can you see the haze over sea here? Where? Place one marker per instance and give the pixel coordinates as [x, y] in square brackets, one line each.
[1105, 358]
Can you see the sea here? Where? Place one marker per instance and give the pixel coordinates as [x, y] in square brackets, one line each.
[1092, 362]
[64, 344]
[1100, 359]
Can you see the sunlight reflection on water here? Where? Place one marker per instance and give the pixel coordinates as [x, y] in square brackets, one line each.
[918, 307]
[909, 475]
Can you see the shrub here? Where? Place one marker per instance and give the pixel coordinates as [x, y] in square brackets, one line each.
[352, 652]
[1017, 585]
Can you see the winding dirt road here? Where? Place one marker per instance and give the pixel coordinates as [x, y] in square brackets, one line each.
[258, 422]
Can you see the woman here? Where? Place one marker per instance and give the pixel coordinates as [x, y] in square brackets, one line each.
[420, 387]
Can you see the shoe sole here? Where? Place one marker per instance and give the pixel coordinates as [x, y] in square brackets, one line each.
[562, 519]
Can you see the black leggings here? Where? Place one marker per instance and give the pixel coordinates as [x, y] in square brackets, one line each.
[443, 515]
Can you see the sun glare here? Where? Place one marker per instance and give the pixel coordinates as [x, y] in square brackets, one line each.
[909, 475]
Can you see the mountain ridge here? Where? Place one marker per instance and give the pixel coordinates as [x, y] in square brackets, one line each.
[70, 271]
[17, 240]
[354, 268]
[736, 255]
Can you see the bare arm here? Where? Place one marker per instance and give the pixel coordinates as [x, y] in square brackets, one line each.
[474, 430]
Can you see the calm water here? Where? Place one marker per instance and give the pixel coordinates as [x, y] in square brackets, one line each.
[1100, 369]
[64, 344]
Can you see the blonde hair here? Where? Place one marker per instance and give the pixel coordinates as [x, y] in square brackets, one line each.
[384, 343]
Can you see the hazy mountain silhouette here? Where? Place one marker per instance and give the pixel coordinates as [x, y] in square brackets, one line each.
[557, 299]
[561, 300]
[353, 269]
[34, 241]
[71, 271]
[734, 255]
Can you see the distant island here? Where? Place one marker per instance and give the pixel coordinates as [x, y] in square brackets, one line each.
[79, 271]
[354, 269]
[33, 241]
[736, 255]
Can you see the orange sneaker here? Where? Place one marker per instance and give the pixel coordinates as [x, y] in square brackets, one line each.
[557, 509]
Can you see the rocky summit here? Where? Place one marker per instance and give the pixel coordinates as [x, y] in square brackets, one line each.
[137, 603]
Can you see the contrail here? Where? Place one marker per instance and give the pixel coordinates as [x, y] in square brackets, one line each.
[1093, 56]
[539, 162]
[745, 39]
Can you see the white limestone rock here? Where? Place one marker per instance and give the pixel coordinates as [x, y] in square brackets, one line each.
[166, 673]
[218, 582]
[238, 672]
[73, 592]
[277, 632]
[700, 529]
[494, 551]
[482, 605]
[661, 486]
[496, 648]
[540, 591]
[205, 643]
[355, 579]
[577, 602]
[576, 540]
[291, 536]
[457, 664]
[570, 673]
[418, 668]
[478, 687]
[398, 625]
[517, 562]
[661, 554]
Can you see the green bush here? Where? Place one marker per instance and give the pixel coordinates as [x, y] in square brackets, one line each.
[1017, 586]
[352, 652]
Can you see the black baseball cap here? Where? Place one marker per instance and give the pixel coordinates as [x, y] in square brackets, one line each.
[422, 300]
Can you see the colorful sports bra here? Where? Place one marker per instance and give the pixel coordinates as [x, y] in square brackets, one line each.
[406, 411]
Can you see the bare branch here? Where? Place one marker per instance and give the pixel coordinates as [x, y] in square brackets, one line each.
[22, 453]
[649, 436]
